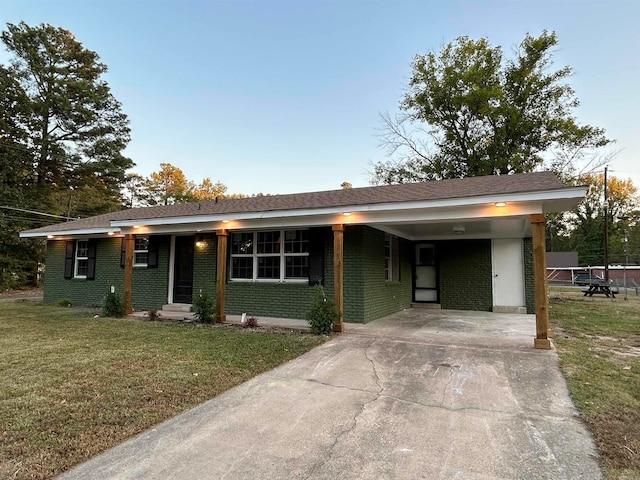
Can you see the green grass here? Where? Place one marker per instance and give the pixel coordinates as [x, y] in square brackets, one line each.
[72, 385]
[598, 342]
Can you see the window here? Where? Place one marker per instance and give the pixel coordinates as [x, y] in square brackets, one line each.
[82, 259]
[141, 252]
[278, 255]
[391, 258]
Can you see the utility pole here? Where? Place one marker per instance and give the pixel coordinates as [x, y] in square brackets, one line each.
[606, 229]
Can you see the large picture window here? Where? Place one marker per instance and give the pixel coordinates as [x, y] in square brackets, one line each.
[273, 255]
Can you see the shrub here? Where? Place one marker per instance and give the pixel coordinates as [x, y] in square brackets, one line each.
[322, 314]
[251, 322]
[65, 302]
[204, 309]
[153, 315]
[113, 306]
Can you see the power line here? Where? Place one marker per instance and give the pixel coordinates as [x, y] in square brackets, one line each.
[37, 213]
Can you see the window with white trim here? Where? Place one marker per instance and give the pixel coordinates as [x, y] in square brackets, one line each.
[272, 255]
[82, 259]
[141, 252]
[391, 258]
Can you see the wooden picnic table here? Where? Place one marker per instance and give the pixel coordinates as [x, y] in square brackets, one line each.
[601, 288]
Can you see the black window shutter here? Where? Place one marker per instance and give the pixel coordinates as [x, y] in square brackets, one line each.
[317, 238]
[91, 260]
[152, 258]
[68, 258]
[122, 252]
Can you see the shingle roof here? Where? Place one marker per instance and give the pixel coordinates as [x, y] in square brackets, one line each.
[408, 192]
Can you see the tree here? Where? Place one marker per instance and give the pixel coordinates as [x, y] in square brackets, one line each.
[62, 135]
[167, 186]
[582, 229]
[71, 124]
[470, 112]
[208, 190]
[170, 185]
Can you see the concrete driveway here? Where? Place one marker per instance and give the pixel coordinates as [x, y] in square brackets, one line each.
[420, 394]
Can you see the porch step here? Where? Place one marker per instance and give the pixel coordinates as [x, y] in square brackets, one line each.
[177, 307]
[431, 306]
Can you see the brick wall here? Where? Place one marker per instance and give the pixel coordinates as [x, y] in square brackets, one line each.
[465, 274]
[204, 266]
[149, 284]
[382, 297]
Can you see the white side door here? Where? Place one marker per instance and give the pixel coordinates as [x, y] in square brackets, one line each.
[508, 272]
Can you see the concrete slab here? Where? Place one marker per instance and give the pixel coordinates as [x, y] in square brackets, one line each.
[455, 395]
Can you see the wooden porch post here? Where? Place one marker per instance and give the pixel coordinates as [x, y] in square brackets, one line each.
[221, 274]
[543, 331]
[129, 243]
[338, 272]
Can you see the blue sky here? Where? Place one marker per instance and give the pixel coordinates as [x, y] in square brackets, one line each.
[285, 96]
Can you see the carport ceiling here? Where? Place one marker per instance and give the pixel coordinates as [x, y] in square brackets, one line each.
[497, 227]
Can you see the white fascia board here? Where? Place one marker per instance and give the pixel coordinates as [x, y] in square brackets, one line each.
[69, 233]
[395, 207]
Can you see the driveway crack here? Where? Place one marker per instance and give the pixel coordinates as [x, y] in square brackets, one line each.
[358, 414]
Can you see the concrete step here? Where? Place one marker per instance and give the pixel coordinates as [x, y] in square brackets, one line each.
[177, 307]
[432, 306]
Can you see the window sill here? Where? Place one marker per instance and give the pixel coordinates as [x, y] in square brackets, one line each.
[264, 280]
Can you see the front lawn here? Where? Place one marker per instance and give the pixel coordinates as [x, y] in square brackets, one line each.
[598, 342]
[72, 385]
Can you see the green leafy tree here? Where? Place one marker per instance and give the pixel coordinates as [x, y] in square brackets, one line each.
[469, 111]
[582, 229]
[62, 134]
[73, 127]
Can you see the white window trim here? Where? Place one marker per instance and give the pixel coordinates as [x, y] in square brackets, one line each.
[141, 251]
[282, 255]
[78, 257]
[393, 267]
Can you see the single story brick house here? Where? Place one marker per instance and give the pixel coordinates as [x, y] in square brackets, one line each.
[474, 243]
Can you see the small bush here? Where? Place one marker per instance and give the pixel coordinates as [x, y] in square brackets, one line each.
[153, 315]
[113, 306]
[251, 322]
[322, 314]
[204, 309]
[65, 302]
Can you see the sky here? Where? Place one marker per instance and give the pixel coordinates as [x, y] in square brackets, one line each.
[285, 96]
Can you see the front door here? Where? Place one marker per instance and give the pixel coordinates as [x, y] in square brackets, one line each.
[425, 286]
[183, 270]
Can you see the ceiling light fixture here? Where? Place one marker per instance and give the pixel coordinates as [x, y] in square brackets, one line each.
[500, 204]
[347, 214]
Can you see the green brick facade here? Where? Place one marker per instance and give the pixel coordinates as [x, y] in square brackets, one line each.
[150, 284]
[464, 277]
[465, 274]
